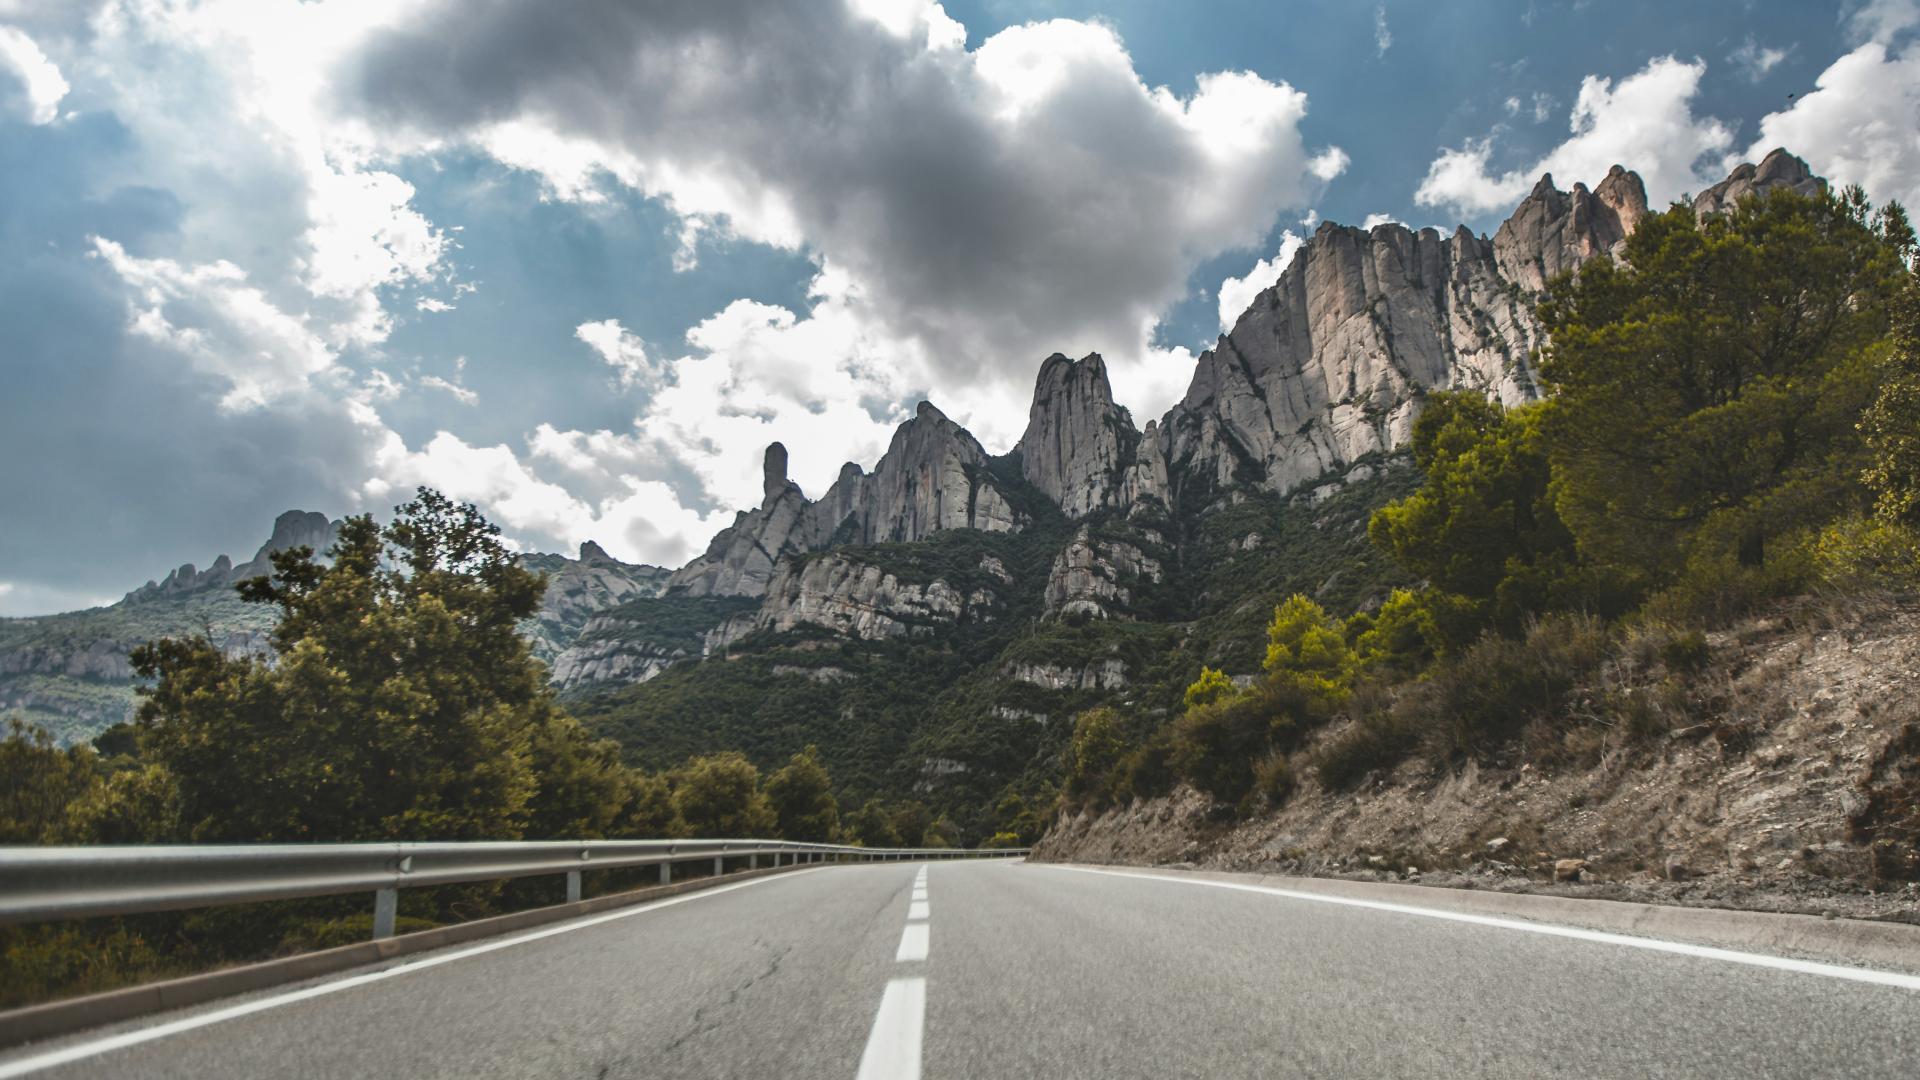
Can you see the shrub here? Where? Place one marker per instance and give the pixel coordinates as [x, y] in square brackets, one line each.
[1686, 652]
[1210, 687]
[1214, 747]
[1377, 740]
[1306, 648]
[38, 781]
[1481, 701]
[872, 826]
[1147, 771]
[43, 961]
[1274, 778]
[719, 796]
[1094, 751]
[801, 794]
[1857, 554]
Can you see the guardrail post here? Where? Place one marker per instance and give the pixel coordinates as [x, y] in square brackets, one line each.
[719, 865]
[753, 861]
[386, 905]
[666, 873]
[573, 886]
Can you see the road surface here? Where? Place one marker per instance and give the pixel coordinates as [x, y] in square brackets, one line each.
[1001, 969]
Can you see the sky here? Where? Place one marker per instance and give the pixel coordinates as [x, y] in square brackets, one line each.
[579, 262]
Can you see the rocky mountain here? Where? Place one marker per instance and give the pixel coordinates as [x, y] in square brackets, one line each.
[578, 589]
[964, 605]
[1778, 169]
[295, 528]
[933, 476]
[974, 603]
[71, 673]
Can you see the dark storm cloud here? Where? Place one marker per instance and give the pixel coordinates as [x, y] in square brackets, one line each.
[995, 204]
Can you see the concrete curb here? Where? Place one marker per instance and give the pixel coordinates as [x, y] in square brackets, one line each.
[36, 1022]
[1854, 942]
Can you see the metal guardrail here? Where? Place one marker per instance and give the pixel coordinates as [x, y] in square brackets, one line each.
[40, 884]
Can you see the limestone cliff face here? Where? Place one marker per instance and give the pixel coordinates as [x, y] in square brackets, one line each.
[1079, 446]
[1329, 363]
[597, 659]
[1098, 577]
[579, 589]
[1554, 231]
[1777, 169]
[932, 477]
[853, 598]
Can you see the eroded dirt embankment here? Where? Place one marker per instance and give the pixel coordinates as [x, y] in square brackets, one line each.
[1813, 724]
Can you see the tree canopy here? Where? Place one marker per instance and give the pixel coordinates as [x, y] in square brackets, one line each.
[401, 703]
[1706, 387]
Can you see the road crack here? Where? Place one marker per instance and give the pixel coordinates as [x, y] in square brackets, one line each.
[712, 1017]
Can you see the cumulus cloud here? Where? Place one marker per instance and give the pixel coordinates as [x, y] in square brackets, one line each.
[225, 98]
[623, 352]
[453, 389]
[967, 211]
[639, 519]
[992, 205]
[223, 325]
[1237, 293]
[1645, 122]
[1882, 20]
[1757, 61]
[1857, 126]
[41, 84]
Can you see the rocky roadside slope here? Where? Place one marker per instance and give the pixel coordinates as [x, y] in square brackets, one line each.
[1760, 804]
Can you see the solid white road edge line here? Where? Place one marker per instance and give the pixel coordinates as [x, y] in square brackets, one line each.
[913, 944]
[893, 1047]
[1732, 956]
[84, 1050]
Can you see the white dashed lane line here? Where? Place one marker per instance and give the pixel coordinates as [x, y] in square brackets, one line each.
[893, 1046]
[913, 944]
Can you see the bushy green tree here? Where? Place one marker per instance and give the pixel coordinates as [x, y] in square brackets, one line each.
[719, 796]
[582, 789]
[1891, 425]
[872, 826]
[402, 704]
[1707, 386]
[1482, 529]
[140, 805]
[1307, 649]
[1094, 750]
[1209, 687]
[911, 822]
[649, 813]
[1413, 628]
[38, 781]
[801, 794]
[1215, 747]
[1881, 548]
[1014, 814]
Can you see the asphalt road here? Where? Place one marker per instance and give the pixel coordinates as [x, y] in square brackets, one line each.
[1013, 970]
